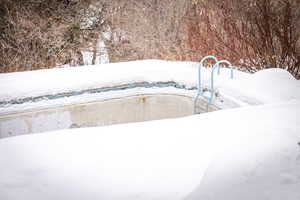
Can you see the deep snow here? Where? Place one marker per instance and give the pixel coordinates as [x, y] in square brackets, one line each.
[246, 153]
[272, 85]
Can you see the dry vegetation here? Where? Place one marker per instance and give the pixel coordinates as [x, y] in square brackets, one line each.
[253, 34]
[37, 34]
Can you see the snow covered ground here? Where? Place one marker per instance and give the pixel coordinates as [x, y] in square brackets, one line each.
[62, 80]
[245, 153]
[273, 85]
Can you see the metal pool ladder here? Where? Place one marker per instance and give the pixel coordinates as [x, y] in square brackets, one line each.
[211, 90]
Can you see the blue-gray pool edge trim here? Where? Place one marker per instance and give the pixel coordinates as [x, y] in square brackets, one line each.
[98, 90]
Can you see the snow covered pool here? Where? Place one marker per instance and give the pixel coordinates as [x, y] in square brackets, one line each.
[126, 109]
[244, 153]
[249, 152]
[62, 98]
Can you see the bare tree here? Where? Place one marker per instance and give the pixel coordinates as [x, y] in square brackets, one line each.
[144, 29]
[254, 34]
[37, 34]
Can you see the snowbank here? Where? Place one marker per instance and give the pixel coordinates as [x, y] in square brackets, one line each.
[266, 86]
[247, 153]
[61, 80]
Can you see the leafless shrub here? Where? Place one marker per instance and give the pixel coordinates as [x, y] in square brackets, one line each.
[144, 29]
[254, 34]
[37, 34]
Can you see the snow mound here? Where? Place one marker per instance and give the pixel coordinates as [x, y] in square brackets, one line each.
[62, 80]
[246, 153]
[266, 86]
[274, 73]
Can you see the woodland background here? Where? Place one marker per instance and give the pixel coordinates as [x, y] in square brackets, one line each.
[252, 34]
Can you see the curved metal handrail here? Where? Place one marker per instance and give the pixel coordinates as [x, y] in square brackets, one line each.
[217, 65]
[200, 90]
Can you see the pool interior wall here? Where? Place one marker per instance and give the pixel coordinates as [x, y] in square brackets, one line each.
[134, 108]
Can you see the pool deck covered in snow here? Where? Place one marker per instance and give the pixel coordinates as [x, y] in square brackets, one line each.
[249, 152]
[44, 100]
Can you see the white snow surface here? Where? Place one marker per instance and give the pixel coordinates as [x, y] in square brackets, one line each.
[246, 153]
[266, 86]
[53, 81]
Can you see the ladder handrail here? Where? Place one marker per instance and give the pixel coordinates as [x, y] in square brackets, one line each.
[212, 89]
[200, 90]
[217, 65]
